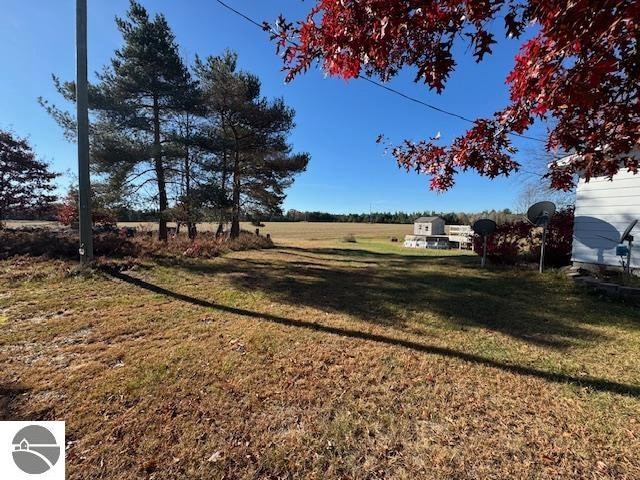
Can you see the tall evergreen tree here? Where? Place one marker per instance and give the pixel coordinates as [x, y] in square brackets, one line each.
[248, 135]
[146, 87]
[225, 94]
[136, 100]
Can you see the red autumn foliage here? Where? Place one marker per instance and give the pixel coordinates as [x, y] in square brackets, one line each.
[520, 241]
[68, 213]
[507, 243]
[559, 239]
[581, 70]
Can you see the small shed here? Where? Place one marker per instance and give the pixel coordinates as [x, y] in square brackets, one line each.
[428, 226]
[604, 209]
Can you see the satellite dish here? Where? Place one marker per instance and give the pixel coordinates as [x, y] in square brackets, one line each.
[484, 227]
[540, 213]
[627, 237]
[627, 233]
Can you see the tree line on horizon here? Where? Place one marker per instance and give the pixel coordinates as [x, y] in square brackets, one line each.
[450, 218]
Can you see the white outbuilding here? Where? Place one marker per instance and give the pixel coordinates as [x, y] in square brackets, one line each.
[428, 232]
[428, 226]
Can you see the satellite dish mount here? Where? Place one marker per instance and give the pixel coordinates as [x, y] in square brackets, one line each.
[484, 227]
[623, 250]
[539, 214]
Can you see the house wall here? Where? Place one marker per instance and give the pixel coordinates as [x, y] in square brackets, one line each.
[431, 228]
[603, 210]
[422, 229]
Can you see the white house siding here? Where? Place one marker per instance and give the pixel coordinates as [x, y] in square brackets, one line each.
[603, 210]
[434, 227]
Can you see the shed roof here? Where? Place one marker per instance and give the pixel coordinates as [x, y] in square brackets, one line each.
[426, 219]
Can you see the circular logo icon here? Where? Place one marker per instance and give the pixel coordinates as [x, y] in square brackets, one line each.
[35, 449]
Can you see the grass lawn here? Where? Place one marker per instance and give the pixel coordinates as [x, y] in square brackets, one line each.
[321, 359]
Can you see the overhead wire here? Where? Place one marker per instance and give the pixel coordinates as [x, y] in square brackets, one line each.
[263, 27]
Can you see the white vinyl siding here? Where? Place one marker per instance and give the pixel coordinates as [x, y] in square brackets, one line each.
[435, 227]
[603, 210]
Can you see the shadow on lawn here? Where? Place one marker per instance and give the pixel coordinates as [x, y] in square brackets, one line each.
[598, 384]
[395, 290]
[8, 396]
[351, 255]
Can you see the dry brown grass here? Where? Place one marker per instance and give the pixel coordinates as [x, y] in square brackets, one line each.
[322, 360]
[284, 231]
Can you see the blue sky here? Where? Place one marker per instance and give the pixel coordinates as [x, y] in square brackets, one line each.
[337, 121]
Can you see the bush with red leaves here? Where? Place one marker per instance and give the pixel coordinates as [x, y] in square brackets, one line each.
[68, 213]
[520, 241]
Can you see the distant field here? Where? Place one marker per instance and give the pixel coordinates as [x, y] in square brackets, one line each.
[29, 223]
[313, 230]
[288, 230]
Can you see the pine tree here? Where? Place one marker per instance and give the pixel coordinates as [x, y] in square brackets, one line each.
[148, 84]
[248, 135]
[134, 104]
[25, 182]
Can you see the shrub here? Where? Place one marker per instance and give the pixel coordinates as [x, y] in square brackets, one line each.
[559, 239]
[68, 213]
[206, 245]
[248, 241]
[507, 244]
[63, 244]
[520, 241]
[60, 244]
[349, 238]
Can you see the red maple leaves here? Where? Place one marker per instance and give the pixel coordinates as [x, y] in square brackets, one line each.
[581, 73]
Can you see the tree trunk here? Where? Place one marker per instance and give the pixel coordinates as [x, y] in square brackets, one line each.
[223, 185]
[191, 226]
[235, 208]
[163, 202]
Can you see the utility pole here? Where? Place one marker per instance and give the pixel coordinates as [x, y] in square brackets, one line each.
[82, 105]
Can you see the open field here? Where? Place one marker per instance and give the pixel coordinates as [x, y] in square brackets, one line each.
[324, 360]
[284, 231]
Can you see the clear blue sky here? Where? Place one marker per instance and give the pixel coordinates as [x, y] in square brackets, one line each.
[337, 121]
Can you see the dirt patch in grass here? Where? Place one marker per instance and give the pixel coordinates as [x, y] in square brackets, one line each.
[321, 361]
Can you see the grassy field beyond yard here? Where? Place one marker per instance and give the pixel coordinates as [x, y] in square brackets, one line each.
[322, 359]
[282, 231]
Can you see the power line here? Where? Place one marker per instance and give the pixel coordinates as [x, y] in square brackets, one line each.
[415, 100]
[266, 27]
[237, 12]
